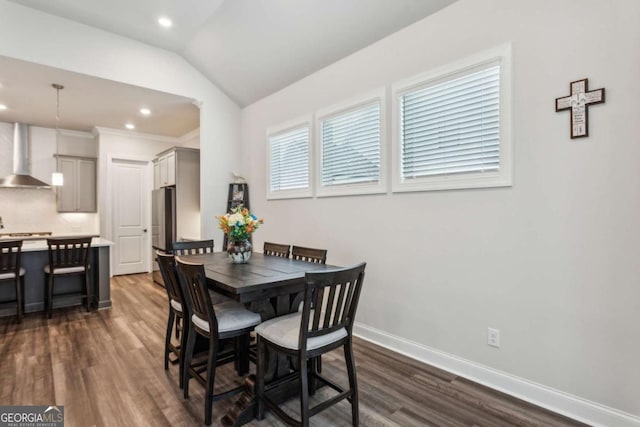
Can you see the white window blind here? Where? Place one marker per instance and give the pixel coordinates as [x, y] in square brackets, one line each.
[452, 127]
[351, 147]
[289, 160]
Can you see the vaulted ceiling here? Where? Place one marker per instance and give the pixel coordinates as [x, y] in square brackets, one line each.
[249, 48]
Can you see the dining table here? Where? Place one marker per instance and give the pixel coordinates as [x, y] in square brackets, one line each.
[270, 285]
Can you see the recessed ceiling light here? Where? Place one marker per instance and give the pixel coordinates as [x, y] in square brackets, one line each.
[145, 111]
[165, 22]
[3, 107]
[130, 126]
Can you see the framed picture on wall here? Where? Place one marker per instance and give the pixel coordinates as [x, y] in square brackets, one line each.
[238, 195]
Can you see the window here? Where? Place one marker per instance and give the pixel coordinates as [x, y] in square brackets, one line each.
[452, 129]
[289, 160]
[351, 154]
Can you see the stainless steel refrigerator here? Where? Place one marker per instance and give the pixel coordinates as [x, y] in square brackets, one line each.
[163, 224]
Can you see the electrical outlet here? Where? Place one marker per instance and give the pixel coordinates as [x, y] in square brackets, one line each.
[493, 337]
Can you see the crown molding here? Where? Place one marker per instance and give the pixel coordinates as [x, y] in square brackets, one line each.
[76, 133]
[139, 135]
[189, 135]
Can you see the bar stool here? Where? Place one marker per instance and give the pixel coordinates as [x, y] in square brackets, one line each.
[318, 256]
[67, 257]
[11, 271]
[177, 308]
[325, 323]
[276, 249]
[215, 322]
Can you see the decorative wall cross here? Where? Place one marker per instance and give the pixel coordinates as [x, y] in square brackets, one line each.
[579, 100]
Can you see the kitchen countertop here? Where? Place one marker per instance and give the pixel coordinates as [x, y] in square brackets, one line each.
[41, 245]
[41, 237]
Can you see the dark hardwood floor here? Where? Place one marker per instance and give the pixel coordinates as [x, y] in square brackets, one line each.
[106, 368]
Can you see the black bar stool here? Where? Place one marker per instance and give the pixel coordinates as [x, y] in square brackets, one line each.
[67, 257]
[11, 271]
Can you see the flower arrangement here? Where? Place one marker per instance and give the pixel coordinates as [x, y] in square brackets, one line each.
[239, 224]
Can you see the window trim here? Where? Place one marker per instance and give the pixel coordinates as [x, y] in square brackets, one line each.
[501, 178]
[355, 103]
[306, 120]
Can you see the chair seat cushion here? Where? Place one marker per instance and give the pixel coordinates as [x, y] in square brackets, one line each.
[285, 332]
[12, 275]
[231, 316]
[176, 305]
[64, 270]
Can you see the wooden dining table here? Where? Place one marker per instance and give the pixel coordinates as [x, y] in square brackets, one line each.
[270, 285]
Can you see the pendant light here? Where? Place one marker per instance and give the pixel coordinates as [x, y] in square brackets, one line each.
[57, 179]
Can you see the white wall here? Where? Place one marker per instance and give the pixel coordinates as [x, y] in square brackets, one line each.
[30, 35]
[31, 210]
[552, 261]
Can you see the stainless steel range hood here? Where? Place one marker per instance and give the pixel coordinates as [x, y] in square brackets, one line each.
[21, 177]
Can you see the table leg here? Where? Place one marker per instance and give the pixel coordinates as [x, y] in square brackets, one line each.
[243, 409]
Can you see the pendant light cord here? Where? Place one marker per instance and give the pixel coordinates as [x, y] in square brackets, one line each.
[57, 87]
[56, 178]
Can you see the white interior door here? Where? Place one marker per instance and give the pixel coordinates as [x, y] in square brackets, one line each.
[130, 195]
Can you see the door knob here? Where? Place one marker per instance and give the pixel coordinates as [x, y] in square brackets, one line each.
[144, 231]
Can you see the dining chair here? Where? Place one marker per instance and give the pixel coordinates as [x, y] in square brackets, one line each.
[216, 323]
[325, 323]
[167, 265]
[199, 247]
[318, 256]
[67, 257]
[11, 270]
[194, 247]
[276, 249]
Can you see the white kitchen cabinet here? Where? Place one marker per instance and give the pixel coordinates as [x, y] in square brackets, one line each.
[78, 194]
[167, 169]
[180, 168]
[156, 174]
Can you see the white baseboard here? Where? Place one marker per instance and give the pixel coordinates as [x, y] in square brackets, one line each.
[557, 401]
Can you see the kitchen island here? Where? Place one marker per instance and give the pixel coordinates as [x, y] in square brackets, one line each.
[35, 257]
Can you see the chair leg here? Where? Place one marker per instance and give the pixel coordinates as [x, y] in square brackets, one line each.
[353, 382]
[260, 372]
[183, 347]
[211, 377]
[188, 354]
[313, 371]
[167, 339]
[86, 290]
[304, 392]
[19, 287]
[242, 354]
[50, 294]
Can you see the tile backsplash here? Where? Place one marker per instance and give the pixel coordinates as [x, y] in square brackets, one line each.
[30, 210]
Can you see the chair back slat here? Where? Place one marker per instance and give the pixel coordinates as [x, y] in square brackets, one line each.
[340, 303]
[10, 254]
[198, 247]
[330, 313]
[196, 293]
[317, 295]
[167, 265]
[64, 253]
[330, 308]
[318, 256]
[276, 249]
